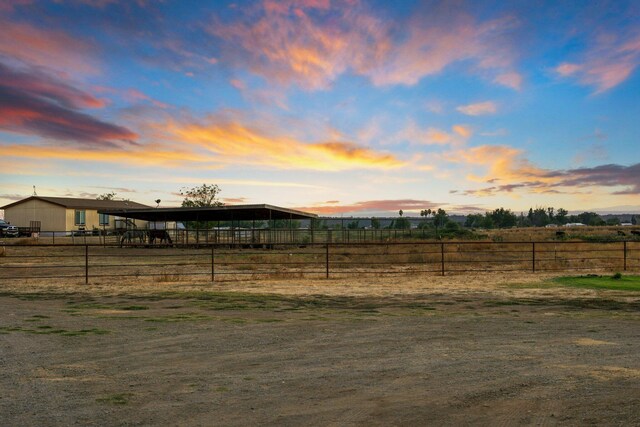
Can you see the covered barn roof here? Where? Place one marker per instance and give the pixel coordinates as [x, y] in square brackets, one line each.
[214, 213]
[76, 203]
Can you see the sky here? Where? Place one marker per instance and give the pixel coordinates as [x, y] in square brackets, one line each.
[335, 107]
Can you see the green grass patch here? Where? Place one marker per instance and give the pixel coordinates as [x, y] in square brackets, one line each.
[50, 330]
[616, 282]
[116, 399]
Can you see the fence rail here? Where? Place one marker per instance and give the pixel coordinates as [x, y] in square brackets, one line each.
[215, 262]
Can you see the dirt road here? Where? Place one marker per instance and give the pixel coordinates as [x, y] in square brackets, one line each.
[175, 355]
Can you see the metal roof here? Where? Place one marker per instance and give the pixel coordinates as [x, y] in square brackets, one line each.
[75, 203]
[215, 213]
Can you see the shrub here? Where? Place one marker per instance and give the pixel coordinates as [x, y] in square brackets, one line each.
[617, 276]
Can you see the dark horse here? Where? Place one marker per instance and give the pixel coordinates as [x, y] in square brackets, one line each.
[161, 235]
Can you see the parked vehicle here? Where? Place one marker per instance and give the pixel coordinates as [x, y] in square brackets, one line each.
[7, 229]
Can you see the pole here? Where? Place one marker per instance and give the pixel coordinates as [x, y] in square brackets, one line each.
[86, 264]
[442, 258]
[327, 259]
[213, 264]
[533, 257]
[625, 255]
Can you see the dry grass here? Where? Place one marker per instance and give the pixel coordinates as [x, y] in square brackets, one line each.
[167, 265]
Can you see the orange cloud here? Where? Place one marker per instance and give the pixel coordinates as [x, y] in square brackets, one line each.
[478, 109]
[311, 43]
[433, 136]
[234, 143]
[330, 208]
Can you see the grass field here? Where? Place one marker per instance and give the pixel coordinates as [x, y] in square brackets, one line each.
[476, 349]
[616, 282]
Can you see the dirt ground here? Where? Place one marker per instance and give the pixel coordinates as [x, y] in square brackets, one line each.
[457, 350]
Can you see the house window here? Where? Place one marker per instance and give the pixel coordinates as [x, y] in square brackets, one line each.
[80, 218]
[104, 219]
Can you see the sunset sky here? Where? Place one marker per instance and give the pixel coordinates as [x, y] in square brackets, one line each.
[339, 108]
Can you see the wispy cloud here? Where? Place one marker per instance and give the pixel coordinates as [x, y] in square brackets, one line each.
[414, 134]
[34, 103]
[509, 170]
[235, 142]
[609, 61]
[46, 48]
[478, 109]
[312, 43]
[332, 208]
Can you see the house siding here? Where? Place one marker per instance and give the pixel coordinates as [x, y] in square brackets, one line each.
[52, 217]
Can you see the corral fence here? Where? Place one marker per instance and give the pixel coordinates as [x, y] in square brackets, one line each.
[227, 235]
[257, 236]
[223, 262]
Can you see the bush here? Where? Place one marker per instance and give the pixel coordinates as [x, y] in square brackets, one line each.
[617, 276]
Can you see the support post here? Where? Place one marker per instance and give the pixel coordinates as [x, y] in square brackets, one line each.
[213, 264]
[625, 255]
[533, 257]
[86, 264]
[442, 258]
[327, 259]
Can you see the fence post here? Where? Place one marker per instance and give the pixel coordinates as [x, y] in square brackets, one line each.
[213, 265]
[442, 258]
[86, 264]
[533, 256]
[327, 259]
[625, 255]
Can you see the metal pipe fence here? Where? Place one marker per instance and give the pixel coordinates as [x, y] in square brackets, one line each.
[220, 262]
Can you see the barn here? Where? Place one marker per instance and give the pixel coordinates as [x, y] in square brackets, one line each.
[56, 214]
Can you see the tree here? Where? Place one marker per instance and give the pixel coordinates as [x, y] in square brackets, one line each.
[503, 218]
[634, 221]
[561, 216]
[400, 212]
[590, 218]
[107, 196]
[440, 219]
[375, 223]
[353, 225]
[201, 196]
[402, 224]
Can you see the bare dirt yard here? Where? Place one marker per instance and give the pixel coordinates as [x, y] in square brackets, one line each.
[461, 350]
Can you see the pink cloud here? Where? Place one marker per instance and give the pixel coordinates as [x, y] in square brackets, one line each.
[38, 46]
[287, 44]
[512, 80]
[607, 63]
[478, 109]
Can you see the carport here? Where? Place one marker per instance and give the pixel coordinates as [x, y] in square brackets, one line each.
[231, 214]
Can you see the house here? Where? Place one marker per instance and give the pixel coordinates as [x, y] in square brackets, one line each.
[47, 214]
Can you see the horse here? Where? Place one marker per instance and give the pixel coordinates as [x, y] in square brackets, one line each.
[161, 235]
[130, 235]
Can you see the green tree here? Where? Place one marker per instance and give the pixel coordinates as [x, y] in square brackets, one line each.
[353, 225]
[440, 219]
[107, 196]
[503, 218]
[561, 216]
[474, 221]
[590, 218]
[634, 221]
[318, 224]
[201, 196]
[402, 224]
[375, 223]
